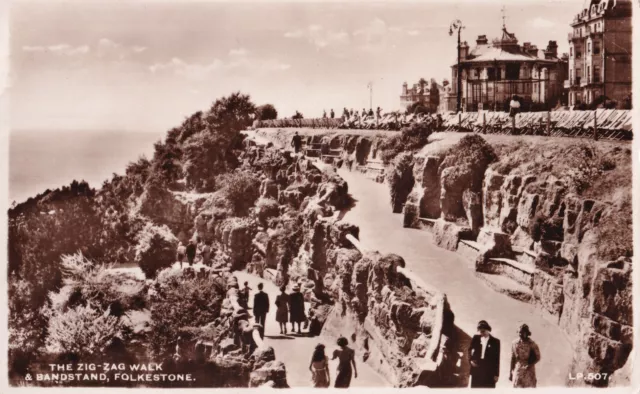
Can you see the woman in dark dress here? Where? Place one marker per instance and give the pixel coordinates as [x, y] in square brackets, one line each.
[282, 303]
[296, 308]
[346, 361]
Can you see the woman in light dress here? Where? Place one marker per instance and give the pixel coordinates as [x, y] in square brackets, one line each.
[525, 354]
[319, 368]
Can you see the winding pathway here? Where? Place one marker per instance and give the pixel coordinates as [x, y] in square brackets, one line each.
[470, 299]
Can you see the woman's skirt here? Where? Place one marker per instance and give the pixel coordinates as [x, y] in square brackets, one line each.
[343, 380]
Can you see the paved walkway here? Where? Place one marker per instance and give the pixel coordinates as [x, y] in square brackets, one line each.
[471, 300]
[295, 350]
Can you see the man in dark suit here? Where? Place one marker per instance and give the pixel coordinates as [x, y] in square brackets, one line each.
[484, 356]
[261, 308]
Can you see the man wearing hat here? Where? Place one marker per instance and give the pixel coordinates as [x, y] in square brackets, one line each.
[484, 357]
[296, 308]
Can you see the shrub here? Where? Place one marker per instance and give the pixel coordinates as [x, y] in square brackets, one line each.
[297, 115]
[156, 249]
[546, 228]
[206, 155]
[181, 301]
[266, 112]
[81, 331]
[471, 151]
[410, 138]
[240, 189]
[267, 208]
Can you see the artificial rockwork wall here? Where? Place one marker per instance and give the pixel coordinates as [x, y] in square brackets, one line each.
[535, 217]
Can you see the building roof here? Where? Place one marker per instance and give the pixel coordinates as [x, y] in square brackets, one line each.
[499, 54]
[505, 48]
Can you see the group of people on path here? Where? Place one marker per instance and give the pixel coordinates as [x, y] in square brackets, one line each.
[484, 357]
[193, 249]
[289, 308]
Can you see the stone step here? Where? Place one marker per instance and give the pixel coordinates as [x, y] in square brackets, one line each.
[470, 250]
[508, 286]
[525, 256]
[520, 272]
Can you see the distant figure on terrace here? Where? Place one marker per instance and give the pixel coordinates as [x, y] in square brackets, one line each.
[181, 253]
[364, 113]
[332, 114]
[296, 142]
[191, 252]
[514, 106]
[370, 113]
[345, 113]
[319, 368]
[378, 112]
[324, 114]
[261, 308]
[484, 356]
[525, 354]
[296, 309]
[282, 313]
[346, 364]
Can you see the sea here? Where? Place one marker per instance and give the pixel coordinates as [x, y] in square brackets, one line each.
[48, 159]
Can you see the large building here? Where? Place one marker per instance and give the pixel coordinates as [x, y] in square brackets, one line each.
[600, 53]
[423, 92]
[493, 72]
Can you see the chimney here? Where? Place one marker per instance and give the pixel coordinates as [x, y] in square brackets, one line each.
[464, 50]
[552, 50]
[482, 40]
[404, 89]
[533, 50]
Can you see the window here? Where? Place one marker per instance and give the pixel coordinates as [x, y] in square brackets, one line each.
[588, 48]
[491, 74]
[596, 74]
[570, 75]
[571, 52]
[588, 74]
[512, 72]
[596, 48]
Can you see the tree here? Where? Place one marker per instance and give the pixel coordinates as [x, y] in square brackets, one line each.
[241, 189]
[230, 115]
[266, 112]
[156, 249]
[297, 115]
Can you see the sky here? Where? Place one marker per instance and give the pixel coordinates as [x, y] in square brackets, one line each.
[146, 65]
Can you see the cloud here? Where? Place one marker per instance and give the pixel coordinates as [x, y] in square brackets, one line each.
[413, 32]
[59, 49]
[374, 37]
[238, 52]
[542, 23]
[320, 37]
[189, 70]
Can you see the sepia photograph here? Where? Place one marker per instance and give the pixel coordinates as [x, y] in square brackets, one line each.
[307, 194]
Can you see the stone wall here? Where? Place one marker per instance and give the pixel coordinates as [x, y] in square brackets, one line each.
[557, 232]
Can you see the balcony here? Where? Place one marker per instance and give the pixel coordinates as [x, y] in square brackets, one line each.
[584, 82]
[567, 84]
[575, 36]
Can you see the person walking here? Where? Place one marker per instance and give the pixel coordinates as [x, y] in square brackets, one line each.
[296, 309]
[484, 357]
[324, 114]
[319, 368]
[346, 363]
[181, 253]
[296, 142]
[282, 303]
[332, 114]
[191, 252]
[244, 295]
[261, 308]
[206, 253]
[525, 354]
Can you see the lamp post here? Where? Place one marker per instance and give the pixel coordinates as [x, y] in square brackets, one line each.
[457, 24]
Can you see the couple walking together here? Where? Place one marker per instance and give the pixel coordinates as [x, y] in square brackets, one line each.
[484, 357]
[319, 365]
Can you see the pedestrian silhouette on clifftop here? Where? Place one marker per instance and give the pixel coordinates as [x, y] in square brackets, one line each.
[181, 253]
[319, 368]
[191, 252]
[282, 303]
[296, 142]
[525, 354]
[261, 308]
[484, 356]
[346, 364]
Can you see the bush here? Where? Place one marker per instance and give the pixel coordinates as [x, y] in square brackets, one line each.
[206, 156]
[156, 249]
[471, 151]
[297, 115]
[266, 112]
[81, 331]
[240, 189]
[267, 208]
[546, 228]
[179, 302]
[410, 138]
